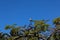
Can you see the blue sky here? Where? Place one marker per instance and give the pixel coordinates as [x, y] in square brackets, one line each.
[19, 11]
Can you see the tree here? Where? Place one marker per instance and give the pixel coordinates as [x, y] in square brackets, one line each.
[33, 31]
[56, 34]
[14, 30]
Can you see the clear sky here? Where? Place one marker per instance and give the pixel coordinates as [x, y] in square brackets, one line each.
[19, 11]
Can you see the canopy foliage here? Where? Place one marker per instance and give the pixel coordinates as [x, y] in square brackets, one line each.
[33, 32]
